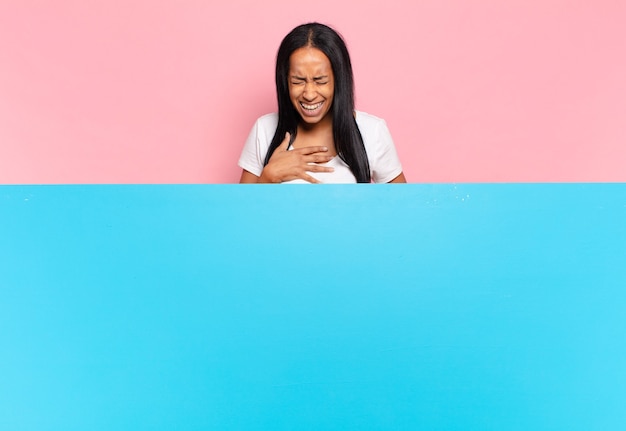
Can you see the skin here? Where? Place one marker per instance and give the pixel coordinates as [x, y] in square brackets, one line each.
[311, 90]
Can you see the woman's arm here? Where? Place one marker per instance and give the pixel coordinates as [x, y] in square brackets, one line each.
[248, 178]
[399, 179]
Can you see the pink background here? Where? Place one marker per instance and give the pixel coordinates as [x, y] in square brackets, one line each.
[141, 91]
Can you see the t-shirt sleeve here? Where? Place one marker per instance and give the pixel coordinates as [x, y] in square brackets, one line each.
[251, 158]
[385, 164]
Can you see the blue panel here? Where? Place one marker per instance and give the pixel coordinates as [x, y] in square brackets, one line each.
[383, 307]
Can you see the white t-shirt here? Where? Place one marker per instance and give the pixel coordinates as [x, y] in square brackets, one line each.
[381, 152]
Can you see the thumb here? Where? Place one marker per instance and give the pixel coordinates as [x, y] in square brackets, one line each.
[285, 144]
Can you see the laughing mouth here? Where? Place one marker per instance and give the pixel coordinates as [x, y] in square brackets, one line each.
[311, 107]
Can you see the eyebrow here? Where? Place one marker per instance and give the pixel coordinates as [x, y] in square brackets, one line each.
[315, 78]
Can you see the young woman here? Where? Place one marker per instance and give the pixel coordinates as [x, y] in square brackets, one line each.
[317, 136]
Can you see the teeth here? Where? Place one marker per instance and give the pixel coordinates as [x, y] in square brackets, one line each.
[311, 107]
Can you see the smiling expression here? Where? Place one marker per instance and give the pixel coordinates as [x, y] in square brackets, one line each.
[311, 84]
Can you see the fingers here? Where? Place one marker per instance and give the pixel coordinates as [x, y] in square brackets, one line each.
[317, 168]
[314, 168]
[312, 150]
[310, 179]
[311, 167]
[318, 158]
[287, 165]
[284, 145]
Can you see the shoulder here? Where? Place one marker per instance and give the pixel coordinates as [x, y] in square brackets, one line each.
[367, 121]
[267, 121]
[381, 152]
[254, 151]
[263, 130]
[373, 129]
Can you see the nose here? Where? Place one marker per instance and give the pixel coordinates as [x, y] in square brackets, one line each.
[309, 92]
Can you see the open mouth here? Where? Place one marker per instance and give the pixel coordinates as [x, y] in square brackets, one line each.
[311, 109]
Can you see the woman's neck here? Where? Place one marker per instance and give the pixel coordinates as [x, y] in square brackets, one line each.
[316, 134]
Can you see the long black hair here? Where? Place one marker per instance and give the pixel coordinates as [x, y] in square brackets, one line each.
[346, 134]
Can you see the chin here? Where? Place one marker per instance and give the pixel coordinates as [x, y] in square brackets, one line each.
[310, 120]
[313, 120]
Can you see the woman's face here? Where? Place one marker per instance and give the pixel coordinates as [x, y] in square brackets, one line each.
[311, 84]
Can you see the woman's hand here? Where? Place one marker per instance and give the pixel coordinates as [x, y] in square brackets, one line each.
[286, 165]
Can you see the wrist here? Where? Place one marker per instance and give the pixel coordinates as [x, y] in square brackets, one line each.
[267, 178]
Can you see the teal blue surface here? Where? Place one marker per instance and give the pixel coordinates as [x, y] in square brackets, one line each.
[383, 307]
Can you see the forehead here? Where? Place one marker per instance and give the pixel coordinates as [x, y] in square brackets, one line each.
[309, 60]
